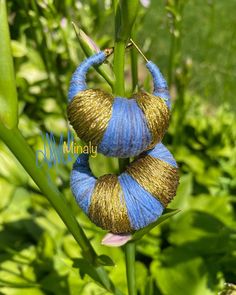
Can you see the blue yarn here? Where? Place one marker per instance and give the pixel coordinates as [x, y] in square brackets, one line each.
[127, 133]
[142, 207]
[78, 80]
[160, 85]
[82, 182]
[162, 153]
[121, 138]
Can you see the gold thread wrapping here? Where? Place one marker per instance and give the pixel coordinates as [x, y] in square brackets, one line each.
[155, 176]
[156, 113]
[108, 209]
[89, 113]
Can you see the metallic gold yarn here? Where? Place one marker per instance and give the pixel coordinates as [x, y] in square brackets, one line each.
[156, 113]
[155, 176]
[108, 209]
[89, 113]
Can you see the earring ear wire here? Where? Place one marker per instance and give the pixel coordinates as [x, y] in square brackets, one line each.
[109, 51]
[139, 50]
[130, 44]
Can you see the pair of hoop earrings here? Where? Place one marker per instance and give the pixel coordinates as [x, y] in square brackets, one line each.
[122, 127]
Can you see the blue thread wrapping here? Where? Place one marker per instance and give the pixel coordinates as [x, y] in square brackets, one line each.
[161, 152]
[127, 132]
[160, 84]
[78, 80]
[82, 182]
[142, 207]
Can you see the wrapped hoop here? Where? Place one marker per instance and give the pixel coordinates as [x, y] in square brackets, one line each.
[119, 126]
[132, 200]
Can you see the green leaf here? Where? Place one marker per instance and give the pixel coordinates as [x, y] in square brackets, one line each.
[8, 94]
[89, 48]
[18, 49]
[202, 232]
[55, 284]
[86, 268]
[218, 206]
[96, 273]
[141, 274]
[16, 291]
[183, 193]
[46, 247]
[181, 273]
[149, 286]
[104, 260]
[167, 214]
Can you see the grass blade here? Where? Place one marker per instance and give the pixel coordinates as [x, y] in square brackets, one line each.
[8, 94]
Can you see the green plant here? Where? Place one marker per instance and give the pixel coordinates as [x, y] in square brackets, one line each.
[17, 144]
[193, 252]
[12, 137]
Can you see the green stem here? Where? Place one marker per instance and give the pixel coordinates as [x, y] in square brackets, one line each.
[125, 16]
[119, 89]
[122, 164]
[21, 150]
[19, 147]
[88, 52]
[8, 107]
[130, 267]
[171, 59]
[129, 249]
[119, 63]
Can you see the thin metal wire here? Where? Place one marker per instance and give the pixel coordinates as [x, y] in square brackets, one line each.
[139, 50]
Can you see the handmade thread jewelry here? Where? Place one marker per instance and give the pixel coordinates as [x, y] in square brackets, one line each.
[132, 200]
[120, 127]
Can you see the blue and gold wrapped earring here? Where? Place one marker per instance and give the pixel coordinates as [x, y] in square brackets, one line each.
[118, 126]
[132, 200]
[123, 127]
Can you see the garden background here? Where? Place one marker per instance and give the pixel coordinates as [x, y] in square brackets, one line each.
[193, 252]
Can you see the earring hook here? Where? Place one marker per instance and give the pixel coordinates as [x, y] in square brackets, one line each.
[139, 50]
[109, 51]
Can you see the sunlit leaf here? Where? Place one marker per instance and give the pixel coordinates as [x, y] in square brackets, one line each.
[167, 214]
[8, 94]
[104, 260]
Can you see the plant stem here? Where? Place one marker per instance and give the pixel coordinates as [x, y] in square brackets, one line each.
[125, 16]
[21, 150]
[119, 89]
[123, 163]
[8, 109]
[88, 52]
[130, 267]
[119, 63]
[129, 249]
[171, 59]
[19, 147]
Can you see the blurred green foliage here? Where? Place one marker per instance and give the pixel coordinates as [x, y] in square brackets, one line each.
[193, 252]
